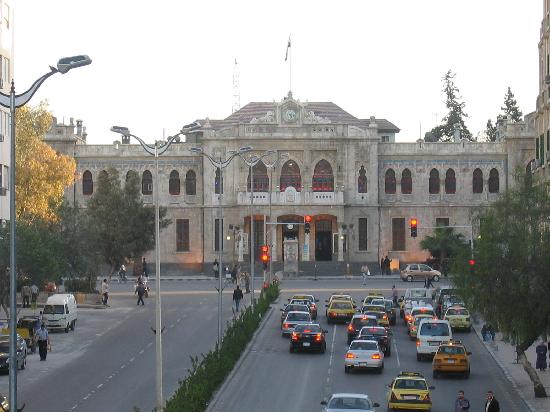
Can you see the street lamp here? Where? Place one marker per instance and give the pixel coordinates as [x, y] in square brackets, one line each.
[220, 164]
[13, 101]
[252, 161]
[156, 150]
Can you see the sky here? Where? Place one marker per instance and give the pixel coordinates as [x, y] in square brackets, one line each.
[158, 65]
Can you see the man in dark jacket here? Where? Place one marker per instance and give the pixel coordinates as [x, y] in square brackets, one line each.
[461, 403]
[140, 291]
[237, 296]
[491, 404]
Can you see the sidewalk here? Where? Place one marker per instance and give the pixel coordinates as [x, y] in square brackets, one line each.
[505, 356]
[132, 279]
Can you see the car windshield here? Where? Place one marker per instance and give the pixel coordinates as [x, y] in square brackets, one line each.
[4, 346]
[358, 322]
[410, 384]
[308, 329]
[54, 310]
[299, 317]
[435, 329]
[341, 305]
[363, 346]
[451, 350]
[459, 311]
[350, 403]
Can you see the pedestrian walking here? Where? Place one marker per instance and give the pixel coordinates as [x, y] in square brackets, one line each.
[461, 403]
[387, 264]
[234, 274]
[247, 282]
[34, 293]
[491, 404]
[140, 291]
[144, 268]
[394, 295]
[365, 272]
[237, 296]
[43, 341]
[541, 351]
[216, 268]
[105, 291]
[382, 266]
[26, 296]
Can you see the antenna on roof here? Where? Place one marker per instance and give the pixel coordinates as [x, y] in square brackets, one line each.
[236, 89]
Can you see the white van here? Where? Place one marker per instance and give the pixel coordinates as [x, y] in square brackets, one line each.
[430, 334]
[60, 312]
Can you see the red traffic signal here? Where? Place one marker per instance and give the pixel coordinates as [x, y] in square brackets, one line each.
[472, 262]
[307, 218]
[264, 249]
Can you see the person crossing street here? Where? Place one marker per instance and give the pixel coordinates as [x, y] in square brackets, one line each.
[43, 341]
[140, 291]
[491, 404]
[237, 296]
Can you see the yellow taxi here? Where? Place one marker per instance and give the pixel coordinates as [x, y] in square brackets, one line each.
[413, 325]
[379, 311]
[458, 317]
[340, 310]
[451, 357]
[409, 390]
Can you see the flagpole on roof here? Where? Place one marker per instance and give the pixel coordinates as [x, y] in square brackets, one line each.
[288, 56]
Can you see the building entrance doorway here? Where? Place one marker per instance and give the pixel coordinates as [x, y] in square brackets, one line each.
[289, 232]
[323, 240]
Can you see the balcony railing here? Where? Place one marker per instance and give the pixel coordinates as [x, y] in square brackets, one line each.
[291, 197]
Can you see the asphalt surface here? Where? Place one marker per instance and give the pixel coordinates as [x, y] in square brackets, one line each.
[108, 362]
[272, 379]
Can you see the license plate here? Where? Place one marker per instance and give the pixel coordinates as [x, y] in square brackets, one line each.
[362, 363]
[409, 397]
[306, 344]
[450, 361]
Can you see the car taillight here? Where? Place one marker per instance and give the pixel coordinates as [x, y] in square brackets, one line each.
[351, 328]
[332, 314]
[350, 355]
[286, 326]
[375, 356]
[294, 336]
[318, 337]
[427, 397]
[393, 396]
[417, 342]
[385, 317]
[413, 327]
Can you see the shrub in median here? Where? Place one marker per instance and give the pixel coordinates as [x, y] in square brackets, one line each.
[208, 373]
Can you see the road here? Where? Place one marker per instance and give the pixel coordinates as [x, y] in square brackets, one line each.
[108, 362]
[272, 379]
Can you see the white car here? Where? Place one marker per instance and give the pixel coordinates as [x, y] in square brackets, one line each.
[364, 354]
[349, 402]
[430, 334]
[292, 319]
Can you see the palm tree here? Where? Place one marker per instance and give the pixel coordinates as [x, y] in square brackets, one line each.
[443, 244]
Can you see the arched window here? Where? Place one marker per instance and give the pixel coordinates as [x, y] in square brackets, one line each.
[261, 180]
[323, 179]
[147, 183]
[190, 183]
[174, 183]
[450, 181]
[362, 180]
[406, 182]
[477, 181]
[434, 182]
[87, 183]
[218, 182]
[389, 180]
[494, 181]
[290, 176]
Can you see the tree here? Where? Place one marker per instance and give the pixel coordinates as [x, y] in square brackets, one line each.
[509, 284]
[444, 244]
[455, 117]
[42, 174]
[124, 227]
[509, 111]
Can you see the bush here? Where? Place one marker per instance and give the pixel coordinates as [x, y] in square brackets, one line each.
[208, 373]
[84, 285]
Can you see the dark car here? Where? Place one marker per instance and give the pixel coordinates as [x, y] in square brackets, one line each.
[293, 308]
[357, 322]
[379, 334]
[308, 337]
[5, 353]
[390, 309]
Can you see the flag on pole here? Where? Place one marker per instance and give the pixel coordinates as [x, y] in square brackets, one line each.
[287, 47]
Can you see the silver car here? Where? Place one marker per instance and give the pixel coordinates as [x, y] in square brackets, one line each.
[5, 352]
[292, 319]
[340, 402]
[364, 354]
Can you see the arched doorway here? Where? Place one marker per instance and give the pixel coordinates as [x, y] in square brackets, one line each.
[290, 231]
[323, 237]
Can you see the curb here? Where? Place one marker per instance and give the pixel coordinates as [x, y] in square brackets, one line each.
[505, 371]
[223, 387]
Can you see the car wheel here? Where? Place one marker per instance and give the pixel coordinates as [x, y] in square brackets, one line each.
[291, 349]
[467, 374]
[418, 357]
[73, 323]
[67, 328]
[436, 278]
[347, 369]
[323, 348]
[409, 278]
[380, 369]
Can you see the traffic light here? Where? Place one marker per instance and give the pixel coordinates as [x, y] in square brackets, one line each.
[414, 227]
[307, 223]
[265, 256]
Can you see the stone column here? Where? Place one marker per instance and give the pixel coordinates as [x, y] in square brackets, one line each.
[273, 241]
[305, 248]
[340, 244]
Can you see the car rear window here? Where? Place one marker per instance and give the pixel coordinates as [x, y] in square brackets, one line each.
[360, 322]
[341, 305]
[379, 315]
[308, 328]
[350, 403]
[463, 312]
[363, 346]
[415, 312]
[378, 302]
[300, 302]
[410, 384]
[435, 329]
[451, 350]
[373, 331]
[296, 308]
[298, 316]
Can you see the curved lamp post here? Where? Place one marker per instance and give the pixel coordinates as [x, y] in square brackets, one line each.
[220, 164]
[14, 101]
[156, 150]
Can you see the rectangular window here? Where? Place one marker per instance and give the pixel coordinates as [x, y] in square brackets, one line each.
[6, 182]
[363, 233]
[182, 235]
[5, 71]
[442, 221]
[398, 233]
[217, 234]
